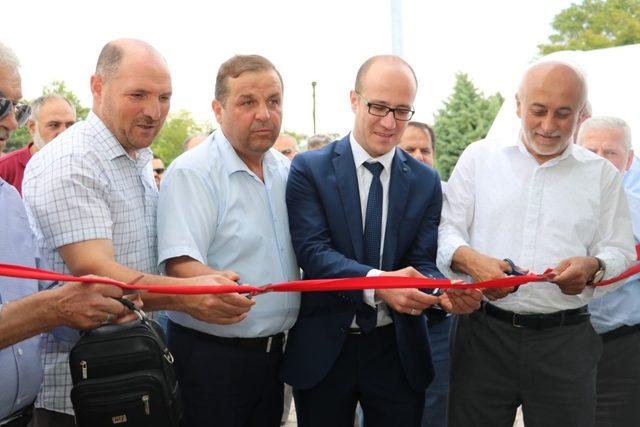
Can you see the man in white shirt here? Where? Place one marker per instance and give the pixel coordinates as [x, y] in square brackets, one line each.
[537, 202]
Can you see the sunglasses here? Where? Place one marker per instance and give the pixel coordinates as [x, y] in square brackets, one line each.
[159, 171]
[22, 110]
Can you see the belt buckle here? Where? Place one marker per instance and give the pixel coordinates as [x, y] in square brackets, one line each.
[513, 321]
[269, 341]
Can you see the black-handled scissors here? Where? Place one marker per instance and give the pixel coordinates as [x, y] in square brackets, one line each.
[515, 270]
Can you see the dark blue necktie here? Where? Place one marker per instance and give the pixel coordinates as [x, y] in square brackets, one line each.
[366, 317]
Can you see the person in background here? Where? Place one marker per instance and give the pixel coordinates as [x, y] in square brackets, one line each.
[616, 316]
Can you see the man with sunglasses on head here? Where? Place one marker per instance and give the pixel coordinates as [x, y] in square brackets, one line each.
[25, 313]
[51, 115]
[361, 207]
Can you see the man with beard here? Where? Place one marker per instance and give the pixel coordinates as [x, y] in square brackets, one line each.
[92, 201]
[50, 116]
[222, 207]
[538, 202]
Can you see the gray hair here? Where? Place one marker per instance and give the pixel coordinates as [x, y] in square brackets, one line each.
[317, 141]
[8, 59]
[606, 122]
[38, 103]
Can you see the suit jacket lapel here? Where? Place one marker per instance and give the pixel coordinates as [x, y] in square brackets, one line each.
[399, 184]
[347, 181]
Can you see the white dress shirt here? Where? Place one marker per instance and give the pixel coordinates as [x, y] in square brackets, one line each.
[360, 156]
[503, 204]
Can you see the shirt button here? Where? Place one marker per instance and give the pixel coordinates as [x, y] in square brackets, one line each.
[20, 352]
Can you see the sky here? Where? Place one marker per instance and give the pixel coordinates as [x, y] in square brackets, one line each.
[326, 42]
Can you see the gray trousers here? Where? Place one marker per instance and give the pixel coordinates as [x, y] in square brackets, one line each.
[496, 367]
[619, 383]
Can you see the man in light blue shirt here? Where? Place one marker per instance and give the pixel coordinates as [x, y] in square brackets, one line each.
[616, 316]
[25, 313]
[222, 208]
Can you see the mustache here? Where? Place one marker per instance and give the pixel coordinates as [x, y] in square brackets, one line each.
[147, 121]
[262, 126]
[553, 134]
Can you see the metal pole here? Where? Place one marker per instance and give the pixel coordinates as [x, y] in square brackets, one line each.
[313, 89]
[396, 28]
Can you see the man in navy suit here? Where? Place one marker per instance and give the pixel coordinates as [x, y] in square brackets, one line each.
[361, 207]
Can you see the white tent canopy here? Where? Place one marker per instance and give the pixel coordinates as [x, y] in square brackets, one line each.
[613, 76]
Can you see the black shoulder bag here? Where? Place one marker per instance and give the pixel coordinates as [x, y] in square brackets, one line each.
[123, 375]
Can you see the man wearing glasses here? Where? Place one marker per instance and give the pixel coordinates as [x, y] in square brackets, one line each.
[360, 207]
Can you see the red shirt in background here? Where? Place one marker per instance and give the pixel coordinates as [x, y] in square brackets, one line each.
[12, 166]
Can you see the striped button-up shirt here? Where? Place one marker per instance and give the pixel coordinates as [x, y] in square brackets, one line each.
[83, 186]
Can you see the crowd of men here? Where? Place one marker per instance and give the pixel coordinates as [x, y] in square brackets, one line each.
[242, 206]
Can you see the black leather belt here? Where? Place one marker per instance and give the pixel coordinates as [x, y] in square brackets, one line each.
[358, 331]
[538, 321]
[622, 331]
[271, 344]
[19, 418]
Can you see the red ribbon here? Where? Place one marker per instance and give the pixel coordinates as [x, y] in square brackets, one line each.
[350, 284]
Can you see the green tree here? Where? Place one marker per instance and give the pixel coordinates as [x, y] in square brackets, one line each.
[178, 126]
[595, 24]
[466, 117]
[21, 136]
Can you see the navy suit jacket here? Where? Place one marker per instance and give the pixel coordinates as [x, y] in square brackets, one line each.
[326, 229]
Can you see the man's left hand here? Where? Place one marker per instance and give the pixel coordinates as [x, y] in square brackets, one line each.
[462, 301]
[573, 274]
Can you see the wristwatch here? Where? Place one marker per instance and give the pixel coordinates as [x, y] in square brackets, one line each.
[599, 274]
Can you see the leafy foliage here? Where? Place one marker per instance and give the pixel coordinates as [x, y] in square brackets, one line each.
[177, 127]
[595, 24]
[466, 117]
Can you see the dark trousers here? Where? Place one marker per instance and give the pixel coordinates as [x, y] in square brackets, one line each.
[224, 385]
[367, 370]
[45, 418]
[437, 395]
[618, 384]
[495, 367]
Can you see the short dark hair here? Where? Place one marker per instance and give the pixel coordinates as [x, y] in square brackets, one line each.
[364, 68]
[427, 129]
[237, 65]
[109, 60]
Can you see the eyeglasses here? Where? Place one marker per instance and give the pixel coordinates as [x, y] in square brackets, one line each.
[159, 171]
[399, 113]
[22, 110]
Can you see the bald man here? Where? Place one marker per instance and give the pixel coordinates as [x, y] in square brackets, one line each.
[362, 207]
[99, 174]
[286, 145]
[533, 203]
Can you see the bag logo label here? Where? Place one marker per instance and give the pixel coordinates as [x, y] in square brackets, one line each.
[119, 419]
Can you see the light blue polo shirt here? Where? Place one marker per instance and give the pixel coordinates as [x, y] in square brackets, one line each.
[622, 306]
[213, 209]
[20, 365]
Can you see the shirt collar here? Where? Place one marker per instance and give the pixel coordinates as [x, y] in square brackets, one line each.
[570, 151]
[230, 159]
[360, 156]
[110, 144]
